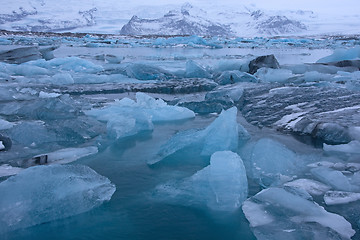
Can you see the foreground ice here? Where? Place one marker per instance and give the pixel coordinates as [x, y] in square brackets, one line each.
[126, 117]
[220, 135]
[311, 186]
[45, 193]
[351, 147]
[221, 186]
[275, 213]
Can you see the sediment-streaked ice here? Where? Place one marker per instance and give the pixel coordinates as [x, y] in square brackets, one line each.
[221, 186]
[45, 193]
[275, 213]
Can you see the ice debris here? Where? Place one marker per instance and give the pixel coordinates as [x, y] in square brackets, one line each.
[275, 213]
[147, 72]
[230, 77]
[5, 124]
[126, 117]
[221, 186]
[333, 178]
[222, 134]
[45, 193]
[273, 75]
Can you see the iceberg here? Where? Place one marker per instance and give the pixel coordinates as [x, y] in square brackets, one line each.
[222, 134]
[221, 186]
[275, 213]
[333, 178]
[231, 77]
[268, 61]
[127, 117]
[273, 75]
[5, 124]
[310, 186]
[7, 170]
[342, 54]
[45, 193]
[195, 70]
[147, 72]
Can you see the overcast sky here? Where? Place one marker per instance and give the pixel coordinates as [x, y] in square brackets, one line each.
[341, 7]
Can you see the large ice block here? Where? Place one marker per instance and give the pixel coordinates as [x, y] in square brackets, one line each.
[221, 186]
[45, 193]
[222, 134]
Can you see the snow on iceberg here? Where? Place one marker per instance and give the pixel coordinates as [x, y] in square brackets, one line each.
[30, 198]
[126, 117]
[275, 213]
[221, 186]
[222, 134]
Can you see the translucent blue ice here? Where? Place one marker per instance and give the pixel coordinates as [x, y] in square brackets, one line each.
[195, 70]
[221, 186]
[46, 193]
[342, 54]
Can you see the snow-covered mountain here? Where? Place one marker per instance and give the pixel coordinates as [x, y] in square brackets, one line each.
[170, 18]
[175, 23]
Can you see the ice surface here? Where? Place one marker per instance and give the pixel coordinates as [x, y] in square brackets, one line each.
[63, 156]
[48, 95]
[311, 186]
[7, 170]
[342, 54]
[271, 159]
[221, 186]
[147, 72]
[273, 75]
[127, 117]
[230, 77]
[195, 70]
[220, 135]
[351, 147]
[5, 124]
[333, 178]
[45, 193]
[275, 213]
[339, 197]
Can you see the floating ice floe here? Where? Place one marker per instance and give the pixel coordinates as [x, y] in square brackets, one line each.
[351, 147]
[273, 75]
[7, 170]
[147, 72]
[342, 54]
[231, 77]
[221, 186]
[222, 134]
[127, 117]
[333, 178]
[311, 186]
[62, 156]
[275, 213]
[340, 197]
[45, 193]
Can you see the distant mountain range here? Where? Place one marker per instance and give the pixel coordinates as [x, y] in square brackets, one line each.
[97, 16]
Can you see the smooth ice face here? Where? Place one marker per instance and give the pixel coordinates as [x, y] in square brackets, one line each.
[221, 186]
[275, 213]
[222, 134]
[333, 178]
[194, 70]
[46, 193]
[273, 75]
[146, 72]
[126, 117]
[271, 159]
